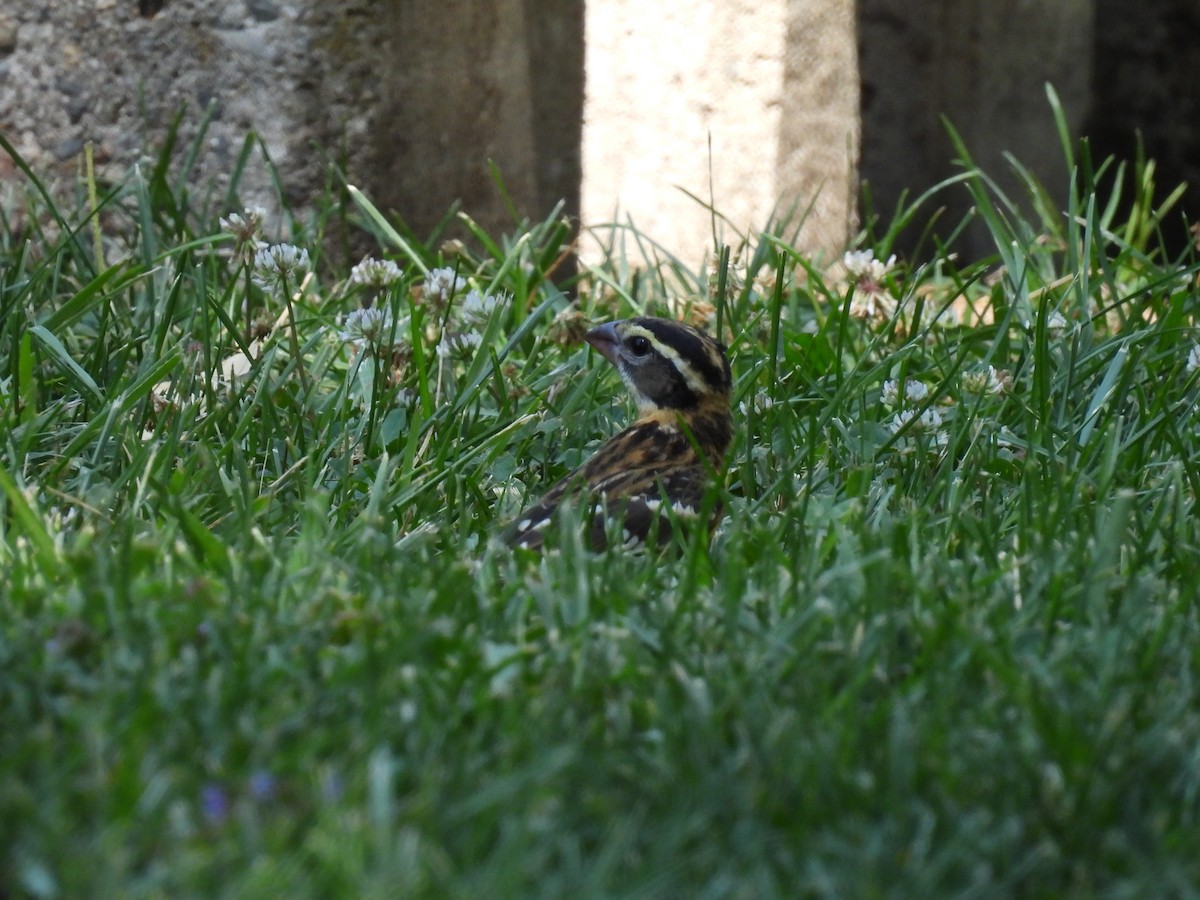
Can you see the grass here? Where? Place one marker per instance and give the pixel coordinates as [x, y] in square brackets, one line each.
[255, 641]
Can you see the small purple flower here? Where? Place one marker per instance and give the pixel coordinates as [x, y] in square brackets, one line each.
[214, 803]
[332, 787]
[262, 785]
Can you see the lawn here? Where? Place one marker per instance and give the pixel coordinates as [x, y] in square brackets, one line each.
[257, 638]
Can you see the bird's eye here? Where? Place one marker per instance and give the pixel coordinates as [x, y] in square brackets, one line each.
[639, 346]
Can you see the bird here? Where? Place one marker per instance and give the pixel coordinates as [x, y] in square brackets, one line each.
[681, 383]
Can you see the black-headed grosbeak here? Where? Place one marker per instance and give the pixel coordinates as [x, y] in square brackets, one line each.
[680, 380]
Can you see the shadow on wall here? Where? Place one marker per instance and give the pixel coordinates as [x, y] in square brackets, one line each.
[1147, 83]
[1117, 69]
[500, 83]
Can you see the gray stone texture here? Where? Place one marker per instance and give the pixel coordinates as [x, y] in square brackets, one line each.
[453, 89]
[96, 70]
[820, 126]
[412, 98]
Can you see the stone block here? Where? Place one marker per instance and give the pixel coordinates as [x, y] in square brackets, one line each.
[750, 107]
[411, 98]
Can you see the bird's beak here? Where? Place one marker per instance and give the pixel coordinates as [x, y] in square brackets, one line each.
[606, 340]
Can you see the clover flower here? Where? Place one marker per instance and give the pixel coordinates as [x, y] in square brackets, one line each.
[863, 266]
[478, 308]
[1193, 359]
[568, 327]
[441, 285]
[987, 381]
[700, 313]
[876, 305]
[279, 267]
[871, 299]
[370, 327]
[927, 422]
[758, 403]
[460, 346]
[914, 392]
[513, 381]
[377, 273]
[921, 430]
[246, 227]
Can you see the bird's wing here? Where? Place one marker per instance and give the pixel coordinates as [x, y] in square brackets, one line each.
[645, 503]
[633, 499]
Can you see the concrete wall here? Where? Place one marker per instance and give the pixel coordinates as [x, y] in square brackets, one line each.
[500, 80]
[413, 97]
[750, 105]
[97, 70]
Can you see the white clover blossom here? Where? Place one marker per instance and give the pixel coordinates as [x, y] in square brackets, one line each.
[443, 284]
[1056, 322]
[246, 227]
[375, 273]
[478, 308]
[863, 265]
[870, 300]
[459, 345]
[371, 327]
[1193, 359]
[922, 430]
[987, 381]
[759, 403]
[568, 326]
[914, 392]
[927, 422]
[279, 266]
[875, 304]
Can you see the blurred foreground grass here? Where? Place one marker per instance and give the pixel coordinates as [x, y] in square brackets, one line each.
[254, 640]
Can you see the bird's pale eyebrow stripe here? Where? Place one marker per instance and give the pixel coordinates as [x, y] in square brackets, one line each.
[695, 381]
[696, 347]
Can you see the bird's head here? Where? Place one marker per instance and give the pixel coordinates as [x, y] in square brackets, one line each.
[665, 364]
